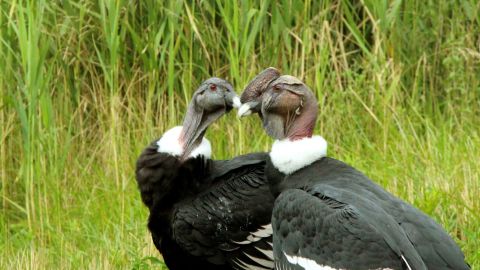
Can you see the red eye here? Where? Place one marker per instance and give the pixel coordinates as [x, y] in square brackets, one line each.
[213, 87]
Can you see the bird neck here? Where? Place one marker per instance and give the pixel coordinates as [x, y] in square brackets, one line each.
[194, 128]
[171, 143]
[302, 125]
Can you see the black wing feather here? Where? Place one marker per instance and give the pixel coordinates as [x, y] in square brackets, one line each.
[204, 212]
[436, 248]
[229, 213]
[327, 226]
[163, 181]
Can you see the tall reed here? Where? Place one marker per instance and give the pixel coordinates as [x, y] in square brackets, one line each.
[85, 85]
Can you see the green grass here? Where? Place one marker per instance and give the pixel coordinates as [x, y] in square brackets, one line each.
[85, 85]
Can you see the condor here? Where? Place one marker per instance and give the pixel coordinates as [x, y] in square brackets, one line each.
[204, 213]
[328, 215]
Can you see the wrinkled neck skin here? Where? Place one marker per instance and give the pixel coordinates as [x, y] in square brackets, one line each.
[194, 128]
[303, 124]
[298, 148]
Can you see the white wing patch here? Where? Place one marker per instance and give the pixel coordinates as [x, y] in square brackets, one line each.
[263, 232]
[307, 264]
[262, 262]
[282, 266]
[405, 260]
[246, 266]
[268, 253]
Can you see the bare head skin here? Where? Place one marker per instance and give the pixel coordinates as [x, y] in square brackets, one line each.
[286, 105]
[252, 95]
[211, 100]
[289, 109]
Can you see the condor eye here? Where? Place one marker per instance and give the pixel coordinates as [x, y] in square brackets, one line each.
[213, 87]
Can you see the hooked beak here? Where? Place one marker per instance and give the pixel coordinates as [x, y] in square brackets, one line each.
[232, 100]
[251, 96]
[248, 108]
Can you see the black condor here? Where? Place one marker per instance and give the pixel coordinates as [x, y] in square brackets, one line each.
[204, 213]
[328, 215]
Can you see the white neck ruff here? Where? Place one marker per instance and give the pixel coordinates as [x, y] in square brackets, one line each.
[170, 144]
[290, 156]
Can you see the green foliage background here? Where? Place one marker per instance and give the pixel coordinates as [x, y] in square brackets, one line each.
[85, 85]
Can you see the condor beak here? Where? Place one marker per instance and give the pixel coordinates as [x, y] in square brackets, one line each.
[232, 99]
[251, 96]
[247, 108]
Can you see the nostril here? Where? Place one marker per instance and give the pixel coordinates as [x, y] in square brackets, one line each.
[213, 87]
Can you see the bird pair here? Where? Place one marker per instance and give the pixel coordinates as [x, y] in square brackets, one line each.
[291, 208]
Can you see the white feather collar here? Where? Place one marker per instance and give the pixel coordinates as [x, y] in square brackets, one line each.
[170, 144]
[289, 156]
